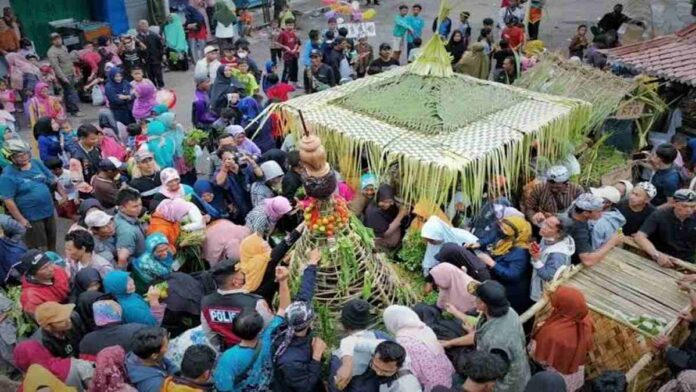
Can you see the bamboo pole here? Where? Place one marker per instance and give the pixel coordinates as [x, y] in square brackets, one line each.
[679, 263]
[545, 299]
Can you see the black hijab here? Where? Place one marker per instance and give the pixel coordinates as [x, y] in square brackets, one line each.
[460, 256]
[85, 278]
[546, 381]
[85, 206]
[184, 293]
[457, 49]
[84, 304]
[43, 127]
[376, 218]
[277, 155]
[222, 86]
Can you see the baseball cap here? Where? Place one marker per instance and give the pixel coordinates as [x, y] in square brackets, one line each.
[685, 195]
[315, 53]
[608, 193]
[384, 46]
[493, 295]
[589, 202]
[52, 312]
[209, 49]
[54, 35]
[110, 163]
[33, 260]
[142, 155]
[97, 218]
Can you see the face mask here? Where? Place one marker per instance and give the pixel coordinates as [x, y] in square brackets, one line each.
[241, 55]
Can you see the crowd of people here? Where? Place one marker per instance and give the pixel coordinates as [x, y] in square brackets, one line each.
[120, 309]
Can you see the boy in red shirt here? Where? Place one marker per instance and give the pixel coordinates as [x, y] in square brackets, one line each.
[513, 34]
[290, 45]
[277, 90]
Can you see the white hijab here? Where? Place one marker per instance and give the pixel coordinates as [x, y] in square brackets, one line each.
[401, 321]
[438, 230]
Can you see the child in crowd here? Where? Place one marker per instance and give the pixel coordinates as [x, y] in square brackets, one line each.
[244, 21]
[7, 97]
[68, 136]
[276, 49]
[286, 15]
[228, 57]
[271, 69]
[66, 208]
[415, 52]
[278, 90]
[242, 74]
[48, 76]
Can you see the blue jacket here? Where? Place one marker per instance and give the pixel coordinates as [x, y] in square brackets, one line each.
[49, 147]
[148, 378]
[513, 271]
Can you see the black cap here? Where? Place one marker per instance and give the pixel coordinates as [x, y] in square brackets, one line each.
[225, 267]
[384, 46]
[107, 164]
[316, 53]
[33, 260]
[356, 314]
[493, 295]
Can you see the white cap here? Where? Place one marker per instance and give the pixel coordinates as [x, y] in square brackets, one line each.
[209, 49]
[607, 193]
[97, 218]
[271, 170]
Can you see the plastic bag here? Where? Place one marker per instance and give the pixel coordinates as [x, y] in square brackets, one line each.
[97, 96]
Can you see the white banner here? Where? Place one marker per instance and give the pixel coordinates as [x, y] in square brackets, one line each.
[356, 30]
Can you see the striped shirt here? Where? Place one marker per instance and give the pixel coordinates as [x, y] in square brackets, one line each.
[541, 199]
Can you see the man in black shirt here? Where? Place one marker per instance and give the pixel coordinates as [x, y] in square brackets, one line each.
[132, 54]
[322, 74]
[335, 56]
[612, 21]
[148, 181]
[61, 332]
[588, 207]
[384, 62]
[87, 151]
[671, 231]
[636, 208]
[154, 53]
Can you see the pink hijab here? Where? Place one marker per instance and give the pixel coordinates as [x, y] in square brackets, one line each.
[276, 207]
[143, 104]
[222, 241]
[174, 210]
[18, 67]
[167, 175]
[44, 100]
[452, 282]
[110, 371]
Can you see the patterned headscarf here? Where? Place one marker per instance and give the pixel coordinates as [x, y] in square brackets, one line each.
[110, 371]
[106, 312]
[299, 316]
[649, 189]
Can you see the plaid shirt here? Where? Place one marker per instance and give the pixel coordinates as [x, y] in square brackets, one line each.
[541, 199]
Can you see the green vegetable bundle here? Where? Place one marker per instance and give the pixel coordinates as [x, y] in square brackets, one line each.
[193, 138]
[412, 250]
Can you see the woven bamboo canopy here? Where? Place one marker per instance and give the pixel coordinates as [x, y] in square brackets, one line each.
[439, 129]
[558, 76]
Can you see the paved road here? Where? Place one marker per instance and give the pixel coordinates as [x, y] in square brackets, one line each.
[559, 24]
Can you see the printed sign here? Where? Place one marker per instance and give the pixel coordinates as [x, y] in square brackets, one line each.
[356, 30]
